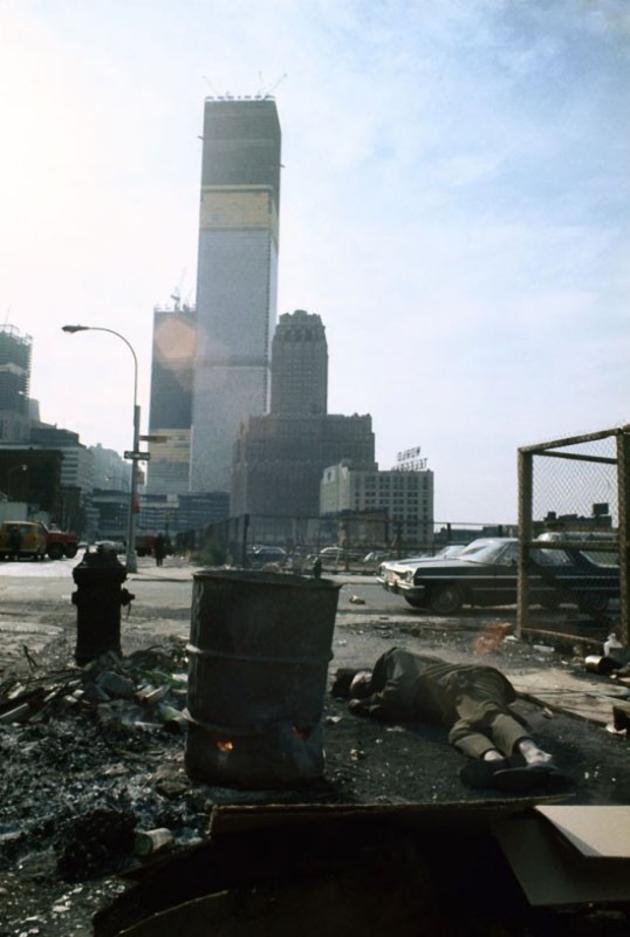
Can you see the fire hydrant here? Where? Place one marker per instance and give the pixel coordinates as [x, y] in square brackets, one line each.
[99, 599]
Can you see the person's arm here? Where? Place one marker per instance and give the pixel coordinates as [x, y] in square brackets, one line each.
[383, 705]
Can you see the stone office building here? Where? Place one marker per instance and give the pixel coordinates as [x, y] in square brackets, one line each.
[405, 496]
[279, 458]
[278, 461]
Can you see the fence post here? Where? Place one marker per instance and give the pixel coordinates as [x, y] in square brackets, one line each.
[623, 486]
[525, 505]
[244, 543]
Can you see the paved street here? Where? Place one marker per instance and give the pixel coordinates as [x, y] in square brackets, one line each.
[36, 611]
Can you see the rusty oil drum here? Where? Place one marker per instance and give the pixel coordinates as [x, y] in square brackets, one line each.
[259, 650]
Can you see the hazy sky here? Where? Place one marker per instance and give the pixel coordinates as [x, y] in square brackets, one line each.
[454, 205]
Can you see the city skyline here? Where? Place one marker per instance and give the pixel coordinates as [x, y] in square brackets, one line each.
[454, 207]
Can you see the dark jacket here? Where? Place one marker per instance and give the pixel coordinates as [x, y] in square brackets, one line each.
[407, 687]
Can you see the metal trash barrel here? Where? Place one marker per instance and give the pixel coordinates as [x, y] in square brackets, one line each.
[259, 651]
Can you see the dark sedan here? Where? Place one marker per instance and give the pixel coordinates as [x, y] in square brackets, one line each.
[485, 573]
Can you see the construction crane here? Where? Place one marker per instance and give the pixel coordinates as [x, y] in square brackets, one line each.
[262, 93]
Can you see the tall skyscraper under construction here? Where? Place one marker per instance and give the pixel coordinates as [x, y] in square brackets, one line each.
[15, 378]
[236, 279]
[171, 399]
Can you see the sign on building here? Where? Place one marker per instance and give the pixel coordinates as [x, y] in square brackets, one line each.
[411, 460]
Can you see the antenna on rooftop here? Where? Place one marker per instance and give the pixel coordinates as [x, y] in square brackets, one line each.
[209, 83]
[271, 90]
[266, 92]
[176, 295]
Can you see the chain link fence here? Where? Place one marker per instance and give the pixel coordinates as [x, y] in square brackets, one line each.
[572, 531]
[357, 542]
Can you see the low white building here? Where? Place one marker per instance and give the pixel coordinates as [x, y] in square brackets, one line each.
[406, 496]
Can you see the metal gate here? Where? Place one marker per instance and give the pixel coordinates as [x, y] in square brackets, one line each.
[574, 504]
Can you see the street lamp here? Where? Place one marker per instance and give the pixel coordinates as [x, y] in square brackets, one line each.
[132, 563]
[16, 468]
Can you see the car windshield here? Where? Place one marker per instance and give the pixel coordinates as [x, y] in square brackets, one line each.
[484, 551]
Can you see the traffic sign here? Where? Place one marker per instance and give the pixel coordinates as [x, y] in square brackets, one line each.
[137, 456]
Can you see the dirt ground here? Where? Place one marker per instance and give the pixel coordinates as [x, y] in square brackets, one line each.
[74, 786]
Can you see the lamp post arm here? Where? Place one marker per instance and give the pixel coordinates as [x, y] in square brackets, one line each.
[132, 565]
[100, 328]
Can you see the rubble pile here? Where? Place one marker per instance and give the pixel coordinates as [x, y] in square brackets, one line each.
[91, 755]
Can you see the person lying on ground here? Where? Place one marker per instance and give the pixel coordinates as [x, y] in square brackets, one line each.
[472, 701]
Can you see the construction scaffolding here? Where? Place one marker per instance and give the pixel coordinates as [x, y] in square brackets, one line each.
[574, 504]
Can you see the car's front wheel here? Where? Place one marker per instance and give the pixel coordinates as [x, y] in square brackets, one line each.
[415, 603]
[593, 602]
[446, 600]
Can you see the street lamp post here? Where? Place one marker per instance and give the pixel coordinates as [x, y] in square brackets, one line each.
[132, 563]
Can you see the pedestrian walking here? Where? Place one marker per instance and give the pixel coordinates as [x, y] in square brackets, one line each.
[15, 542]
[159, 549]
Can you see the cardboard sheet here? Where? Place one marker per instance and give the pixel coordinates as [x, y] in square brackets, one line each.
[597, 832]
[554, 874]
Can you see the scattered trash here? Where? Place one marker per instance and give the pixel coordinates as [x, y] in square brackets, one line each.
[603, 665]
[333, 720]
[612, 644]
[115, 685]
[357, 754]
[148, 842]
[356, 600]
[491, 637]
[621, 716]
[544, 649]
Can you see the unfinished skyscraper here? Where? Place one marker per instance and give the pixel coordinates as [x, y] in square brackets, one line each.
[15, 379]
[236, 279]
[171, 399]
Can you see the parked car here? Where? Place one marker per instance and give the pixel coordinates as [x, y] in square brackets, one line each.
[22, 538]
[392, 570]
[333, 557]
[485, 573]
[601, 557]
[111, 546]
[258, 557]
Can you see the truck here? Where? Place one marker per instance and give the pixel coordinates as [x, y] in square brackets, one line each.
[145, 544]
[60, 543]
[34, 539]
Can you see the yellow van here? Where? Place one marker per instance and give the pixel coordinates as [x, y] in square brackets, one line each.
[22, 538]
